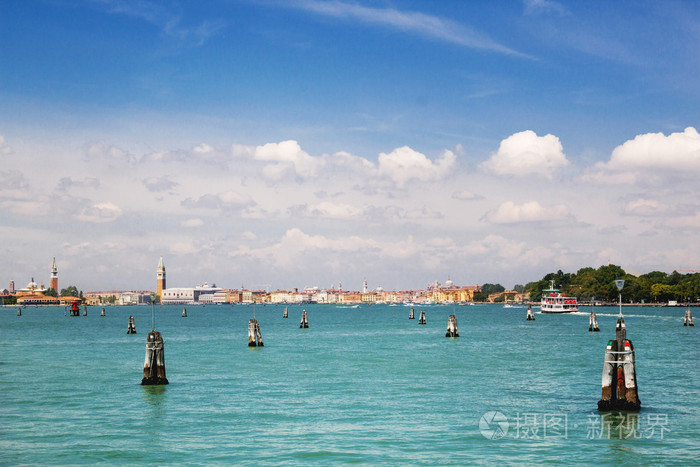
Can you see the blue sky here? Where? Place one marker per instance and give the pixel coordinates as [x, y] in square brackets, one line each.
[306, 142]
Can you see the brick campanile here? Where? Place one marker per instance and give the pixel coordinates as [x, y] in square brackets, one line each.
[54, 276]
[160, 278]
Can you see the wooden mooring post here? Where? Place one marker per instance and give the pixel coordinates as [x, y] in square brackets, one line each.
[254, 335]
[19, 311]
[131, 329]
[103, 312]
[688, 319]
[593, 322]
[452, 327]
[286, 313]
[421, 318]
[410, 314]
[619, 383]
[304, 320]
[184, 312]
[154, 366]
[530, 314]
[85, 310]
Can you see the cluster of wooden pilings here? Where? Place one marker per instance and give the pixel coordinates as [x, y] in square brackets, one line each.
[154, 366]
[254, 335]
[410, 314]
[131, 328]
[619, 383]
[421, 318]
[530, 314]
[286, 313]
[593, 322]
[452, 327]
[304, 320]
[184, 312]
[688, 319]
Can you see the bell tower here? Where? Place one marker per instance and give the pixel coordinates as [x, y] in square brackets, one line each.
[160, 278]
[54, 276]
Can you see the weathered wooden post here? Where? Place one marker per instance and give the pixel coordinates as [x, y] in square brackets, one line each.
[154, 366]
[619, 383]
[85, 310]
[421, 318]
[452, 327]
[286, 313]
[254, 335]
[688, 319]
[593, 322]
[131, 329]
[530, 314]
[19, 311]
[304, 320]
[410, 314]
[103, 312]
[184, 312]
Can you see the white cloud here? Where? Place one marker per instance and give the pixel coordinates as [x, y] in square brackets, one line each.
[5, 149]
[535, 7]
[224, 200]
[67, 182]
[404, 164]
[200, 153]
[466, 195]
[653, 154]
[101, 212]
[691, 222]
[284, 156]
[335, 210]
[407, 21]
[192, 223]
[102, 150]
[183, 248]
[157, 184]
[532, 211]
[525, 153]
[644, 207]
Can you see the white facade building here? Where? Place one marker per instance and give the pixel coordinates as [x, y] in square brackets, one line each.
[204, 294]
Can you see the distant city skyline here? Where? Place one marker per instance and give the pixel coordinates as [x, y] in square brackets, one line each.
[308, 142]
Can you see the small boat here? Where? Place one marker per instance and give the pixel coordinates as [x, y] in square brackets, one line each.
[553, 301]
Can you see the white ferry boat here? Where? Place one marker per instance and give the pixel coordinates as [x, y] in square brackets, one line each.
[554, 301]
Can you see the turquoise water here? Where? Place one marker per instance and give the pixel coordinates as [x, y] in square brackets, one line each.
[363, 385]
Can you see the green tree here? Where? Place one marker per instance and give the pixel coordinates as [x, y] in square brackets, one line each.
[70, 291]
[661, 292]
[488, 289]
[51, 292]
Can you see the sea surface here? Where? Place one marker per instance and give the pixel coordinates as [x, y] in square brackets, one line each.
[360, 385]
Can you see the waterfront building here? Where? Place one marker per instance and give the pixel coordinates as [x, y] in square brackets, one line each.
[204, 294]
[281, 296]
[118, 297]
[34, 294]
